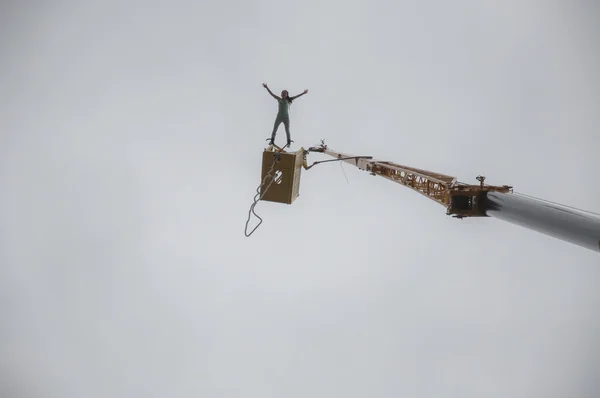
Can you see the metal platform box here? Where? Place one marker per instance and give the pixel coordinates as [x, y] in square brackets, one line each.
[286, 186]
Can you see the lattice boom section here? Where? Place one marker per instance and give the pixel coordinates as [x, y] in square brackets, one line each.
[442, 178]
[433, 188]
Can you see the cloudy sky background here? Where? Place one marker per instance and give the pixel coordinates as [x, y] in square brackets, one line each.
[130, 148]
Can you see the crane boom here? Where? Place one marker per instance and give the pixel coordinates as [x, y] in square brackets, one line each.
[482, 200]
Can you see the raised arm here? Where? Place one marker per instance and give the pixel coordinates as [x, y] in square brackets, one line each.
[299, 95]
[270, 92]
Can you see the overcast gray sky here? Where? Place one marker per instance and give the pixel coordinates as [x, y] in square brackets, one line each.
[130, 150]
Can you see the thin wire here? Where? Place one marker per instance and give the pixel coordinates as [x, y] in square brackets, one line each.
[342, 167]
[257, 198]
[557, 204]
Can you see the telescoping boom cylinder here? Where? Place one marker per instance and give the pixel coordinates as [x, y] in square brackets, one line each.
[561, 222]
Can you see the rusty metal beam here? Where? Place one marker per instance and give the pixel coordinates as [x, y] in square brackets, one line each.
[459, 199]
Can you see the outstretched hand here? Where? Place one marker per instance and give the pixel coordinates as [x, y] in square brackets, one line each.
[305, 91]
[265, 85]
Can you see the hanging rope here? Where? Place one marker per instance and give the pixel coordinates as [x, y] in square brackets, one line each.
[344, 171]
[258, 197]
